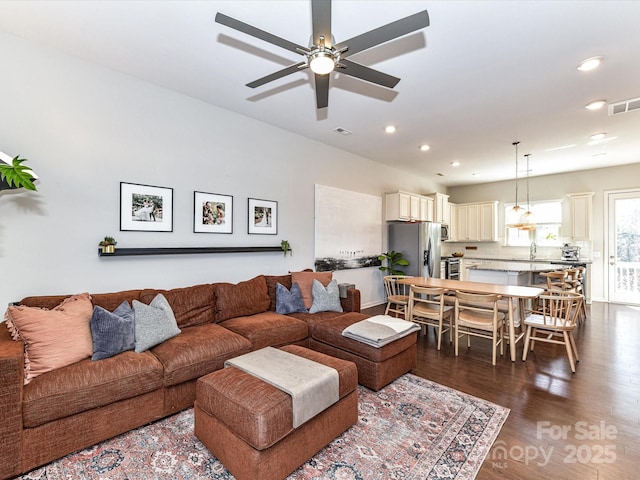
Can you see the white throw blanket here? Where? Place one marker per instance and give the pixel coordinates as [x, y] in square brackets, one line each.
[380, 330]
[313, 387]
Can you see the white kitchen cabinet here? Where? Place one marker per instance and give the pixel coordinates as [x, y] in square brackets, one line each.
[488, 225]
[441, 212]
[581, 215]
[426, 209]
[453, 222]
[475, 222]
[408, 207]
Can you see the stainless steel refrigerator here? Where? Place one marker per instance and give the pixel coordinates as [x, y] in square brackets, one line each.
[420, 244]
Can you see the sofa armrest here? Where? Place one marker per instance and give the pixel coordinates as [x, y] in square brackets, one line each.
[11, 384]
[352, 302]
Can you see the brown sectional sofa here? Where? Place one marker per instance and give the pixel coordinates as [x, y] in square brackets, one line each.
[76, 406]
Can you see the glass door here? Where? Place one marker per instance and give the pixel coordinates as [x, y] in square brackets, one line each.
[623, 246]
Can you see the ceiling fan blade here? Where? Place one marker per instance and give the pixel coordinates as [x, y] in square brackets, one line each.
[385, 33]
[321, 20]
[357, 70]
[256, 32]
[279, 74]
[322, 91]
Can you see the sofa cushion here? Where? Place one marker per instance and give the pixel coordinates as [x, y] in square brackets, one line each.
[53, 338]
[272, 282]
[197, 351]
[268, 329]
[289, 301]
[305, 281]
[110, 301]
[112, 332]
[241, 299]
[191, 305]
[330, 333]
[325, 299]
[154, 323]
[85, 385]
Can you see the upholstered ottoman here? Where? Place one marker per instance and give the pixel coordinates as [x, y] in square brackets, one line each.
[248, 424]
[377, 367]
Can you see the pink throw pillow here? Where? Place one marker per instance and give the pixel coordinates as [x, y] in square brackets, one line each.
[53, 338]
[305, 282]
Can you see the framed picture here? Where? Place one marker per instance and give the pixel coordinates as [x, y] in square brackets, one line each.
[146, 208]
[263, 217]
[212, 213]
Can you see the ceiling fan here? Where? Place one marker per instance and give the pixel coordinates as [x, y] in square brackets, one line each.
[323, 57]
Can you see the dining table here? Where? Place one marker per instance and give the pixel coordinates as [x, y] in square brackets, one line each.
[509, 292]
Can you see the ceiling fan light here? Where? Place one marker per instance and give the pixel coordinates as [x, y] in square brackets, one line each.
[322, 62]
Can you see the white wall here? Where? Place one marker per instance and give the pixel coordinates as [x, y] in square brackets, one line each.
[557, 187]
[85, 129]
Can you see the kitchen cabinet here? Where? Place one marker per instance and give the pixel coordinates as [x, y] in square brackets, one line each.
[581, 215]
[441, 211]
[475, 222]
[408, 207]
[487, 225]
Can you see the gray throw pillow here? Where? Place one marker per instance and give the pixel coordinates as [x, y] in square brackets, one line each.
[325, 299]
[154, 323]
[112, 333]
[289, 301]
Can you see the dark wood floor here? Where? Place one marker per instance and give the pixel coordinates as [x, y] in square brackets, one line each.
[562, 426]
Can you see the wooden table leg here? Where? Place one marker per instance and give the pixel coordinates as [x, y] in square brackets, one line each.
[512, 332]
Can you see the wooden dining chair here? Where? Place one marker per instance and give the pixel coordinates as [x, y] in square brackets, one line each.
[427, 307]
[478, 315]
[576, 280]
[557, 280]
[397, 295]
[554, 323]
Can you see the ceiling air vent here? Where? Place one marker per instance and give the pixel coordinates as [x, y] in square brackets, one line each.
[624, 106]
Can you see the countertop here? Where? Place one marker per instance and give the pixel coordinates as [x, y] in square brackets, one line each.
[517, 266]
[555, 261]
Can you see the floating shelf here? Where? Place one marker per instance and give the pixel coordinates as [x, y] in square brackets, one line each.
[128, 252]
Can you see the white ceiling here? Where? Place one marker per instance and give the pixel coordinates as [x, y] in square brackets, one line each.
[482, 75]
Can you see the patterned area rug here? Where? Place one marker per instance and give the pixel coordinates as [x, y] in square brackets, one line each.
[413, 429]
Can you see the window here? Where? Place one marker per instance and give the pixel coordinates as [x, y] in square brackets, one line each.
[548, 216]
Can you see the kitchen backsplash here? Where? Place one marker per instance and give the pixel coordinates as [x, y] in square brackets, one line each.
[496, 250]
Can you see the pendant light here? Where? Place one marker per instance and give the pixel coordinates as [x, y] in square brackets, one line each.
[513, 217]
[527, 220]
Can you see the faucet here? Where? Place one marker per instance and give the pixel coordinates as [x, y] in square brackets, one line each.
[532, 251]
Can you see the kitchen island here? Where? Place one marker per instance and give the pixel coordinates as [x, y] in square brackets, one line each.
[509, 272]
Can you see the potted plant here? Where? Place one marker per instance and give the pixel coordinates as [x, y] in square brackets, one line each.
[108, 244]
[284, 245]
[394, 259]
[16, 175]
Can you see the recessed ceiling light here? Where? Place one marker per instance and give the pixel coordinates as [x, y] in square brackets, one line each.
[598, 136]
[601, 141]
[342, 131]
[390, 129]
[424, 147]
[455, 164]
[560, 148]
[601, 154]
[590, 64]
[476, 174]
[598, 104]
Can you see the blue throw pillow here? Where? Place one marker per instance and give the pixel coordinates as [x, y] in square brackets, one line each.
[112, 333]
[289, 301]
[325, 299]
